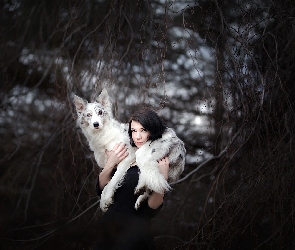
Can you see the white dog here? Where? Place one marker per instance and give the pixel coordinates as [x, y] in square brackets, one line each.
[103, 131]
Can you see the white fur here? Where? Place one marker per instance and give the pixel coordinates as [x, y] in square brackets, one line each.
[150, 177]
[102, 132]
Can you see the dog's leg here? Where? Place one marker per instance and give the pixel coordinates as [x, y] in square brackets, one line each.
[108, 192]
[140, 199]
[100, 159]
[151, 178]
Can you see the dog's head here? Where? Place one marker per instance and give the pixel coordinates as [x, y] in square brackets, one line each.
[93, 114]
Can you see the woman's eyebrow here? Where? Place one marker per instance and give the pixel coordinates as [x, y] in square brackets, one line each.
[138, 129]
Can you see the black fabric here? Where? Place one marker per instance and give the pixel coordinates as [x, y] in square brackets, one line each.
[122, 227]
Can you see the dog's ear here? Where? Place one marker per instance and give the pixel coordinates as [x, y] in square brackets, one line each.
[104, 99]
[79, 103]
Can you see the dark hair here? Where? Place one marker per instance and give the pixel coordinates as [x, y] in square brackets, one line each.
[150, 120]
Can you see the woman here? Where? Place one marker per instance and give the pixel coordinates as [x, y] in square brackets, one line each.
[122, 226]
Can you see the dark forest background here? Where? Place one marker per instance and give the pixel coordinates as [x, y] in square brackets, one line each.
[221, 73]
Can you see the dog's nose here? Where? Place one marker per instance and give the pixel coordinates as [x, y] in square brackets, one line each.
[96, 124]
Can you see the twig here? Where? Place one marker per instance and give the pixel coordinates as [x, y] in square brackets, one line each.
[210, 159]
[61, 227]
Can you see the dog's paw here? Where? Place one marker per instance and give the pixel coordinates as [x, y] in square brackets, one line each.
[139, 190]
[104, 205]
[137, 204]
[140, 199]
[106, 200]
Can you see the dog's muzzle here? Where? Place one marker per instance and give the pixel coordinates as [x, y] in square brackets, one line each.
[95, 124]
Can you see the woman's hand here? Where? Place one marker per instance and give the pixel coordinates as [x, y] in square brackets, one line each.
[114, 157]
[163, 165]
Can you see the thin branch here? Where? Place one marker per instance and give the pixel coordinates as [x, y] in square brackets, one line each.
[224, 151]
[61, 227]
[131, 39]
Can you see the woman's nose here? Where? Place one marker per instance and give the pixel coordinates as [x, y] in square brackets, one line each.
[138, 135]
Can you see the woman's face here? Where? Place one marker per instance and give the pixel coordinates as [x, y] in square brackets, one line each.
[139, 134]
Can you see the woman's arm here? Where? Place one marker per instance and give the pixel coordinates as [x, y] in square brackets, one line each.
[156, 199]
[116, 155]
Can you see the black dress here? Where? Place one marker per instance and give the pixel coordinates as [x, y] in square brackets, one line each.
[122, 227]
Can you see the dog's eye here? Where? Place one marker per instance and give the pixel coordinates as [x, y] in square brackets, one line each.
[88, 114]
[100, 112]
